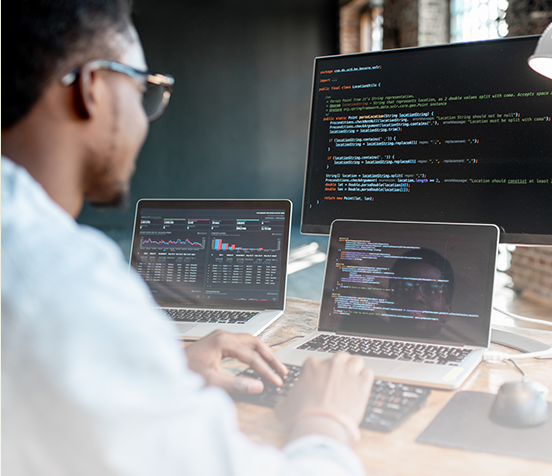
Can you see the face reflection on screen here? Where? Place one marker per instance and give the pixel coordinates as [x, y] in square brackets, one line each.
[421, 288]
[426, 282]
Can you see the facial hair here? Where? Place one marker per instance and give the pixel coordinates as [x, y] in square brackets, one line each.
[119, 201]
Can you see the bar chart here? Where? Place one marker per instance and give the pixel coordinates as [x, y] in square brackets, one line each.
[218, 245]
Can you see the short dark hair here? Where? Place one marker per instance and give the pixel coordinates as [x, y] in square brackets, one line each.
[44, 36]
[432, 258]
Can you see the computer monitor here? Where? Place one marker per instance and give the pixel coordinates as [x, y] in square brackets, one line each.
[451, 133]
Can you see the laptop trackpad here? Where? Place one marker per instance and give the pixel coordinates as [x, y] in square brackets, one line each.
[184, 327]
[381, 367]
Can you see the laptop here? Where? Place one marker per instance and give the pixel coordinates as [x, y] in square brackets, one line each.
[214, 264]
[413, 299]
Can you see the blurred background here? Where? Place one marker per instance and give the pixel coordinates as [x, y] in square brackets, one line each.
[238, 119]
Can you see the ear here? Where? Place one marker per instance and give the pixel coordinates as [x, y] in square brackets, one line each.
[87, 92]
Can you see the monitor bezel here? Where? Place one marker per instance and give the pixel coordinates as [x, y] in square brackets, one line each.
[529, 239]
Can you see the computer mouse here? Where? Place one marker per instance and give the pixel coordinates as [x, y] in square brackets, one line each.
[520, 404]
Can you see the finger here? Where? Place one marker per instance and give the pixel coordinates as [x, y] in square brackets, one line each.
[234, 384]
[243, 347]
[311, 364]
[368, 375]
[339, 359]
[265, 351]
[244, 353]
[246, 385]
[355, 365]
[267, 354]
[260, 366]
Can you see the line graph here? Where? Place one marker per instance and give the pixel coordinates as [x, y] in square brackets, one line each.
[172, 243]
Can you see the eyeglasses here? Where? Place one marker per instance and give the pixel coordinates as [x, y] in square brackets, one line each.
[429, 290]
[156, 90]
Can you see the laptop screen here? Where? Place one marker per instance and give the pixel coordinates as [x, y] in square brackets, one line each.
[413, 281]
[213, 253]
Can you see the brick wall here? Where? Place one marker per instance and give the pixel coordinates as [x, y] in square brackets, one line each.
[528, 17]
[409, 23]
[531, 271]
[349, 26]
[400, 24]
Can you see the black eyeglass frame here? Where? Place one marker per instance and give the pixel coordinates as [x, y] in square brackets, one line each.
[422, 286]
[156, 79]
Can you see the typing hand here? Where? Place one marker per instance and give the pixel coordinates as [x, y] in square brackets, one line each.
[205, 356]
[328, 394]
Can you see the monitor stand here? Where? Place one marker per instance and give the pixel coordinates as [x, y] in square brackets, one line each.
[517, 342]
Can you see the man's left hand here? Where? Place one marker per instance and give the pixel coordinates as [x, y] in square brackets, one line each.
[205, 356]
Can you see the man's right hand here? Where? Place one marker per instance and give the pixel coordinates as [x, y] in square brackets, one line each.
[338, 386]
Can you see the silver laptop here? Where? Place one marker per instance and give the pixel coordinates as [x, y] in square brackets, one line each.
[214, 264]
[414, 299]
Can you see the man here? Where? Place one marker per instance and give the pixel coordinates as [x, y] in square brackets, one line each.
[93, 381]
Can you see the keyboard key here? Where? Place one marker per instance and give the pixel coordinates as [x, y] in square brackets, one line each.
[386, 349]
[210, 316]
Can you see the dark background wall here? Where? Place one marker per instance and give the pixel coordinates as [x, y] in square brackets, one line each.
[238, 119]
[400, 29]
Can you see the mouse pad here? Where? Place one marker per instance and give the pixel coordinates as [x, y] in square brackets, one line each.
[464, 423]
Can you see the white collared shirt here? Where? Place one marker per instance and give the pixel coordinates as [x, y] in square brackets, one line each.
[94, 381]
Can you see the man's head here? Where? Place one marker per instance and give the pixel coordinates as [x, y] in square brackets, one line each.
[48, 38]
[423, 285]
[74, 96]
[424, 266]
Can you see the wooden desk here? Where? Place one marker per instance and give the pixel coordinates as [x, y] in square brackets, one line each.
[397, 453]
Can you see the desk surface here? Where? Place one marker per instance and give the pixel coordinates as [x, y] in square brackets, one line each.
[397, 453]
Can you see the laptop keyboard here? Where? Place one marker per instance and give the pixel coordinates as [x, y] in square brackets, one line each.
[210, 316]
[388, 349]
[390, 403]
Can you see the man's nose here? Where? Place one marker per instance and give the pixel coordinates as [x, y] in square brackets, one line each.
[418, 296]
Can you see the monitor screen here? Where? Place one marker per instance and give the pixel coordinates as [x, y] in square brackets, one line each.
[453, 133]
